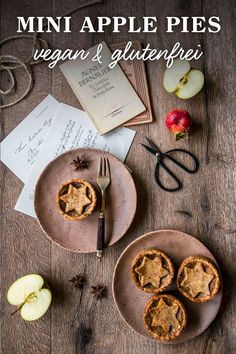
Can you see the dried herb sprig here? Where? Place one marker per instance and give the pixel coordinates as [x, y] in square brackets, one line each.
[78, 282]
[79, 164]
[98, 291]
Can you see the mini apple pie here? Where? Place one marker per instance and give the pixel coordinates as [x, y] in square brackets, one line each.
[76, 199]
[164, 317]
[152, 271]
[198, 279]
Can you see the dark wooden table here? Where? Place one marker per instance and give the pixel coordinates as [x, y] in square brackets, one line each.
[205, 207]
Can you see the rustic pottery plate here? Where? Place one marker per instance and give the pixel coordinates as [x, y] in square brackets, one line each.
[81, 235]
[130, 300]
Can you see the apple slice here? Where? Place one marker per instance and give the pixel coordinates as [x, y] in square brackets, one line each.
[191, 85]
[37, 306]
[23, 287]
[183, 80]
[31, 297]
[174, 74]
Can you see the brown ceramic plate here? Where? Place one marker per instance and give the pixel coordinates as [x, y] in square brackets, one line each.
[130, 300]
[81, 235]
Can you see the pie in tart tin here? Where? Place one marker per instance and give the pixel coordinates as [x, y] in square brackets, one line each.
[198, 279]
[152, 270]
[76, 199]
[165, 317]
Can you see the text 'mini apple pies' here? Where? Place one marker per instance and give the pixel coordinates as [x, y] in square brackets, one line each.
[152, 271]
[198, 279]
[76, 199]
[164, 317]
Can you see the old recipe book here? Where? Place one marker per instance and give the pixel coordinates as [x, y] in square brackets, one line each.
[136, 73]
[105, 94]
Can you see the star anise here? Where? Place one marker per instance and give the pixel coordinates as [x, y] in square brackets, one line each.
[79, 164]
[78, 281]
[98, 291]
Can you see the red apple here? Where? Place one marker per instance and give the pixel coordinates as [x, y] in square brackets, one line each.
[179, 122]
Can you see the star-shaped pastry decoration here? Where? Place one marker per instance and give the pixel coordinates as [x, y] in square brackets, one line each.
[75, 199]
[151, 271]
[197, 280]
[165, 316]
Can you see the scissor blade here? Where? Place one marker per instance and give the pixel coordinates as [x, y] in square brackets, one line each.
[149, 149]
[153, 146]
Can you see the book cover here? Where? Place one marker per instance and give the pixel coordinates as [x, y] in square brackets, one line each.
[105, 93]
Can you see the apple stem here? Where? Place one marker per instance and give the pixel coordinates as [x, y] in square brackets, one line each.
[18, 308]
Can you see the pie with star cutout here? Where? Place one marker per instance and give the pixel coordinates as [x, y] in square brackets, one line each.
[164, 317]
[152, 271]
[76, 199]
[198, 279]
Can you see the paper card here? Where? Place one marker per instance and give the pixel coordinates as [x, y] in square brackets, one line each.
[105, 93]
[20, 149]
[71, 128]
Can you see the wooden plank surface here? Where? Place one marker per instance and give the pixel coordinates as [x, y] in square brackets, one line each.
[208, 197]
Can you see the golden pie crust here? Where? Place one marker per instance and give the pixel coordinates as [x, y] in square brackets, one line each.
[76, 199]
[198, 279]
[165, 317]
[152, 271]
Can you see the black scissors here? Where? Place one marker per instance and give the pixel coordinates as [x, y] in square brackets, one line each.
[153, 149]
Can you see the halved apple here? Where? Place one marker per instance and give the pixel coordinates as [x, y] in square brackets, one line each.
[30, 294]
[182, 80]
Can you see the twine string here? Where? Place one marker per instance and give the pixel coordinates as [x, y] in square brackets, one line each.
[10, 63]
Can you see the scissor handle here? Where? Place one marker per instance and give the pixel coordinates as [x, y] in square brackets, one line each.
[195, 160]
[170, 173]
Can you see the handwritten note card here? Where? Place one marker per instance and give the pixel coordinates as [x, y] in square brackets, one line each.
[72, 128]
[20, 149]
